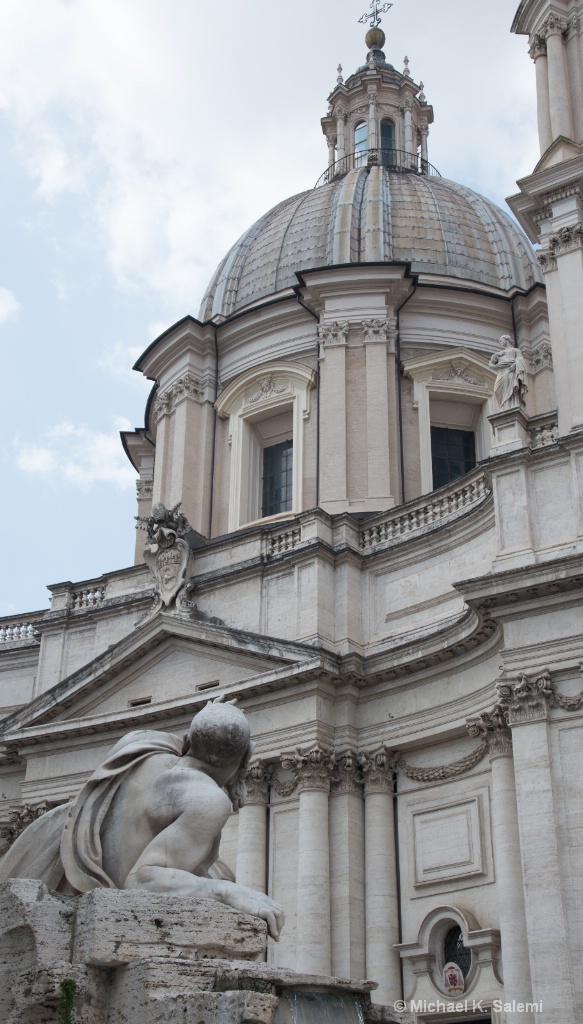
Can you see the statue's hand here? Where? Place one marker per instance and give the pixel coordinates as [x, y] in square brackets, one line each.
[249, 901]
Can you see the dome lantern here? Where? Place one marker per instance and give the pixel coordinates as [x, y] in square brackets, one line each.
[378, 116]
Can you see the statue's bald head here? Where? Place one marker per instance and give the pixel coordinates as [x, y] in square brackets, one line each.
[219, 735]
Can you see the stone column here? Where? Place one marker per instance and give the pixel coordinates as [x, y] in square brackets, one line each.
[550, 951]
[373, 142]
[376, 334]
[560, 107]
[408, 124]
[538, 52]
[333, 482]
[424, 130]
[313, 768]
[252, 829]
[347, 869]
[331, 150]
[380, 878]
[340, 135]
[509, 880]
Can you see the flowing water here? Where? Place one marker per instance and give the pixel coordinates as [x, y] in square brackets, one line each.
[318, 1008]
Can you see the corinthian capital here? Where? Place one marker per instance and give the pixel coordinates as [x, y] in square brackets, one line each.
[378, 770]
[257, 780]
[167, 399]
[312, 767]
[376, 331]
[553, 26]
[346, 777]
[334, 333]
[537, 47]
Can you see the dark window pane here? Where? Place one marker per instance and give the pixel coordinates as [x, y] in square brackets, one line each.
[389, 157]
[277, 478]
[453, 453]
[455, 952]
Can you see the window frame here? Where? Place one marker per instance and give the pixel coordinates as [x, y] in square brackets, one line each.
[253, 397]
[459, 376]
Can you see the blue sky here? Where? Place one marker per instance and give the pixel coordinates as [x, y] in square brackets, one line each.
[138, 139]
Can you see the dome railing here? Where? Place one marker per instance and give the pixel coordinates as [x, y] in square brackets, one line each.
[396, 160]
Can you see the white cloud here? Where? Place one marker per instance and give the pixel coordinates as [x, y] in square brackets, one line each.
[159, 119]
[9, 305]
[78, 455]
[118, 362]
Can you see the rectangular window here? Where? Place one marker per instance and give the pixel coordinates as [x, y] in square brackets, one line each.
[277, 487]
[453, 453]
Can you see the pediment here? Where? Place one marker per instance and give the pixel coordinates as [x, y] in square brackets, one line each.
[559, 152]
[168, 663]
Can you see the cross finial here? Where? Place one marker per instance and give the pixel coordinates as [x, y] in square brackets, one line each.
[374, 18]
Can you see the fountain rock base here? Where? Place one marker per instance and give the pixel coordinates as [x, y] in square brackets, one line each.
[113, 957]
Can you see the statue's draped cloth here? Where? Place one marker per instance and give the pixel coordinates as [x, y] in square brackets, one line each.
[66, 841]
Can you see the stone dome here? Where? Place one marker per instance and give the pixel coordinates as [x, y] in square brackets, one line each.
[374, 216]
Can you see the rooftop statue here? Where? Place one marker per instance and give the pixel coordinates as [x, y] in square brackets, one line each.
[150, 817]
[510, 386]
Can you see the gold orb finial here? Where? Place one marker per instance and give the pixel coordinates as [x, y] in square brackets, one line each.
[375, 37]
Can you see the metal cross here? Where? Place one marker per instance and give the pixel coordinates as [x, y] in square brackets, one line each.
[374, 18]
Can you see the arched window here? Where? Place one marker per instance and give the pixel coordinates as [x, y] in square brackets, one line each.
[455, 952]
[360, 144]
[388, 153]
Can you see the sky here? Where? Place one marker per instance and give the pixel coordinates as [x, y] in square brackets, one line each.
[138, 140]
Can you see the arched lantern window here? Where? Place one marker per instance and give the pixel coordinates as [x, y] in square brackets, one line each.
[360, 144]
[388, 153]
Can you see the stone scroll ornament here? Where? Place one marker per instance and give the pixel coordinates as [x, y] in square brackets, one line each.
[166, 552]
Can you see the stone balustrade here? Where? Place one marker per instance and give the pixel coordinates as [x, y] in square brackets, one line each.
[20, 630]
[88, 598]
[446, 504]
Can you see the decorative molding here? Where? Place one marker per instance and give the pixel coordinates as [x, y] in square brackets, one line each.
[166, 553]
[144, 490]
[437, 773]
[542, 432]
[525, 700]
[378, 770]
[312, 767]
[335, 333]
[378, 331]
[346, 777]
[186, 386]
[553, 25]
[257, 781]
[267, 388]
[537, 47]
[457, 371]
[18, 819]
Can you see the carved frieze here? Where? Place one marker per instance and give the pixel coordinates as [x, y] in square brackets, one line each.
[335, 333]
[267, 388]
[187, 386]
[458, 373]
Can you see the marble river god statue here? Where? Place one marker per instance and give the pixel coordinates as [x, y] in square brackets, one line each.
[150, 817]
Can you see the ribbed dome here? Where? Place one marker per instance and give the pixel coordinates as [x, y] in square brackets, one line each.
[374, 216]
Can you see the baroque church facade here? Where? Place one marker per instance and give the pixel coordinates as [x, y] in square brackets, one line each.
[360, 484]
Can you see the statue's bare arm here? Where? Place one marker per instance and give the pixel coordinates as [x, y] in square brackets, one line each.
[172, 859]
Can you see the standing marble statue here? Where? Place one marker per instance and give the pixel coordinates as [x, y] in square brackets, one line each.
[510, 386]
[150, 817]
